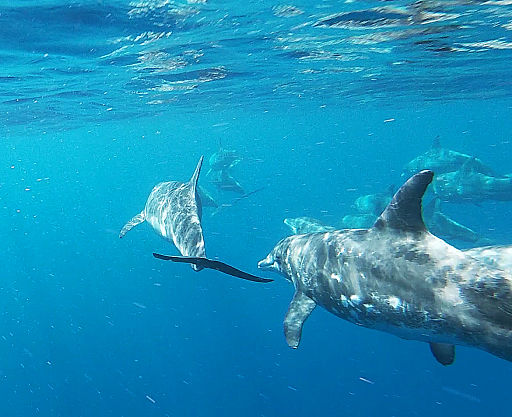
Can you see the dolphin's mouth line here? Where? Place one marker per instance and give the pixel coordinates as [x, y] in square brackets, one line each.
[267, 264]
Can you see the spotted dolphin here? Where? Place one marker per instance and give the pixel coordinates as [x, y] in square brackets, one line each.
[442, 160]
[398, 278]
[374, 203]
[469, 185]
[223, 159]
[174, 210]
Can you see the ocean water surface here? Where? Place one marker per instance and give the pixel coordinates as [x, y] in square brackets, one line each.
[325, 101]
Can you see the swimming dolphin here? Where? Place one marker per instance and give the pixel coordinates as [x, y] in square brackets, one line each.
[223, 159]
[374, 203]
[301, 225]
[398, 278]
[470, 185]
[442, 160]
[173, 209]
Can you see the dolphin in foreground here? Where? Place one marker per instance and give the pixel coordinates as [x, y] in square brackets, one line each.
[301, 225]
[398, 278]
[173, 209]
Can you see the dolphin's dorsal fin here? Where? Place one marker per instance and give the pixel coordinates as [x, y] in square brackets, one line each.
[436, 143]
[404, 211]
[443, 352]
[195, 176]
[299, 310]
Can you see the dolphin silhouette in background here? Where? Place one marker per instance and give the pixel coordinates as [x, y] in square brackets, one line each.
[374, 203]
[223, 159]
[398, 278]
[470, 185]
[442, 160]
[173, 209]
[301, 225]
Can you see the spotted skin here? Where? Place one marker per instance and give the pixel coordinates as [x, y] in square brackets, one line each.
[401, 279]
[173, 209]
[498, 256]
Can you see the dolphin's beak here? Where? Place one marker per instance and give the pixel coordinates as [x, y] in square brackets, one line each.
[267, 263]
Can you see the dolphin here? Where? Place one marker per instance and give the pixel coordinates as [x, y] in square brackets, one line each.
[442, 160]
[223, 159]
[398, 278]
[173, 209]
[301, 225]
[374, 203]
[469, 185]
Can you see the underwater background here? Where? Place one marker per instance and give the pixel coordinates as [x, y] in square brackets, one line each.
[325, 101]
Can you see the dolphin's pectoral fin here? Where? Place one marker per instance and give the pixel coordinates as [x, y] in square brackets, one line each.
[443, 352]
[139, 218]
[299, 310]
[200, 263]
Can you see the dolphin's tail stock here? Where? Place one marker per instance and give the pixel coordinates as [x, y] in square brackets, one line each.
[211, 264]
[138, 219]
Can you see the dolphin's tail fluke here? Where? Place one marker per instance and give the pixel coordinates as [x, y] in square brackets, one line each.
[138, 219]
[201, 263]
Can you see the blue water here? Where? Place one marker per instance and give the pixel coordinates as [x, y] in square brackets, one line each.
[326, 101]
